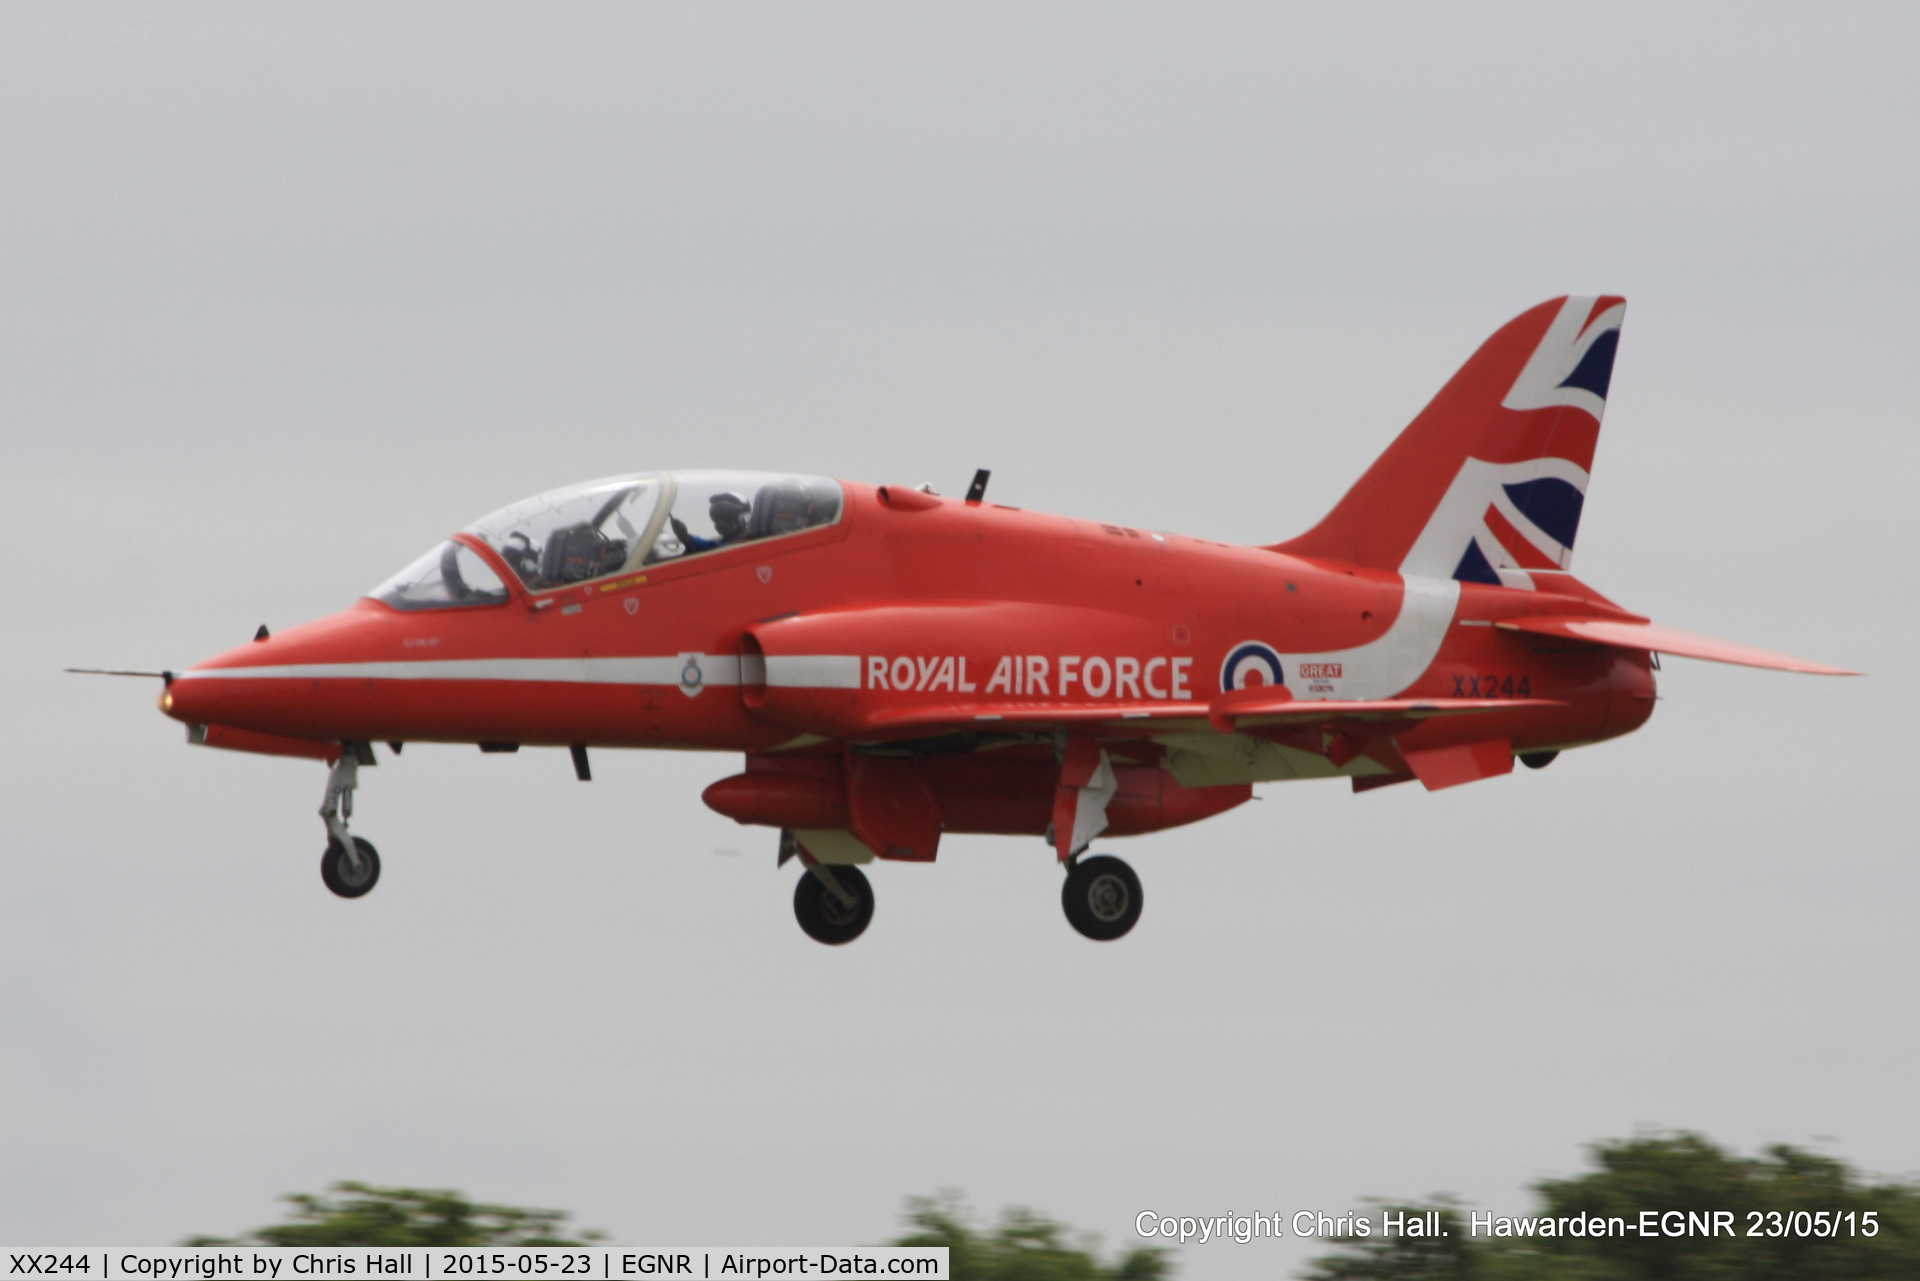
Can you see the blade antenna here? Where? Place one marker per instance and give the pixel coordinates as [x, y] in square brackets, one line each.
[978, 489]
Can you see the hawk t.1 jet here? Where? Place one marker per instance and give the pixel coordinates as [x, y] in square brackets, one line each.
[893, 665]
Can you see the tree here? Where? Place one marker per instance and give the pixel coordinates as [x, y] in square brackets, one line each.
[1024, 1246]
[359, 1214]
[1776, 1202]
[1446, 1257]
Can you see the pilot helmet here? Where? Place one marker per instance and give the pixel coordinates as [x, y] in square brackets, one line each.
[729, 514]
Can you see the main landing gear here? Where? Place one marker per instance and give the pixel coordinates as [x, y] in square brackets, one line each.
[1101, 896]
[351, 866]
[833, 903]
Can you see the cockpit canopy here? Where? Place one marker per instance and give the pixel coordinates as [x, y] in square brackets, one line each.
[573, 534]
[606, 527]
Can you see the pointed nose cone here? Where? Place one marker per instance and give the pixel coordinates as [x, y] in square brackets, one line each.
[277, 684]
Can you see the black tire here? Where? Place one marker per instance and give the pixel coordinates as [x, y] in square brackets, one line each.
[339, 875]
[1102, 897]
[823, 916]
[1537, 760]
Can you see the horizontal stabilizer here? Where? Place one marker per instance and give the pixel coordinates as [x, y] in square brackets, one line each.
[1652, 637]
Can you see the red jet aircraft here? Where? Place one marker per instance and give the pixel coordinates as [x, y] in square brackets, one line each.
[895, 665]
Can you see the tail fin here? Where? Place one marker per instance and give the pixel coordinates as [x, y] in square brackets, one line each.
[1487, 483]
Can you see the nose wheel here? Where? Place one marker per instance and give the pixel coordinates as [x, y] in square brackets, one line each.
[350, 876]
[1102, 897]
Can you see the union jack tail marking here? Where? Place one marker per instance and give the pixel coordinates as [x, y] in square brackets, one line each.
[1488, 483]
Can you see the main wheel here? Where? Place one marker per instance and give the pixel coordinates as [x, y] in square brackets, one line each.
[339, 873]
[821, 913]
[1102, 897]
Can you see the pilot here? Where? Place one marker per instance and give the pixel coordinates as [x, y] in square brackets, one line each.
[729, 513]
[519, 553]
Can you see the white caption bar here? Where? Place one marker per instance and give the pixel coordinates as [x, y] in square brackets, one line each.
[453, 1263]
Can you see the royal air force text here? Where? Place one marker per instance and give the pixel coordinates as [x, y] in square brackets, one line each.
[1036, 675]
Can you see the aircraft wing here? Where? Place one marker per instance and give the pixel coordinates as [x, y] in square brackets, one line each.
[1238, 710]
[1664, 640]
[936, 718]
[1235, 712]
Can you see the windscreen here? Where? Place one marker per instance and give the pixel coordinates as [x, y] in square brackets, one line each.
[449, 576]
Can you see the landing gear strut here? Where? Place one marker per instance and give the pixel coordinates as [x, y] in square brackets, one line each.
[833, 903]
[351, 866]
[1101, 896]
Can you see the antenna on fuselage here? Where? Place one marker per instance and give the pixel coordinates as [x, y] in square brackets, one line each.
[116, 671]
[978, 489]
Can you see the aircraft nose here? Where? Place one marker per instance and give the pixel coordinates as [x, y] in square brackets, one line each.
[268, 683]
[206, 691]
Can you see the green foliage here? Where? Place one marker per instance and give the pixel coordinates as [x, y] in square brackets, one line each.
[359, 1214]
[1665, 1172]
[1402, 1258]
[1023, 1247]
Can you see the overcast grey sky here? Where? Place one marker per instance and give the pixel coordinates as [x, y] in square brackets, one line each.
[287, 293]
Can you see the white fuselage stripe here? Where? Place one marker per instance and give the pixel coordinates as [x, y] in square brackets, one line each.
[823, 671]
[1384, 667]
[813, 671]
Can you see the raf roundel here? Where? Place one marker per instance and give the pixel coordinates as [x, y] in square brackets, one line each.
[1251, 665]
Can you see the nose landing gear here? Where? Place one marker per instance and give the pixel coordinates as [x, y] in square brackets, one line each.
[351, 866]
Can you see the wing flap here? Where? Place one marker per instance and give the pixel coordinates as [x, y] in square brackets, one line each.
[1654, 638]
[1440, 767]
